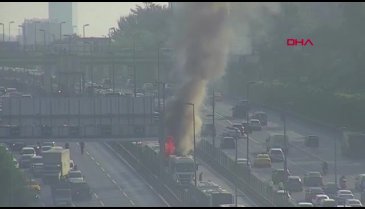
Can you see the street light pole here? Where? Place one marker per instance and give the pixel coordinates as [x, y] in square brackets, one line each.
[9, 27]
[335, 167]
[83, 29]
[61, 29]
[247, 119]
[213, 111]
[134, 67]
[235, 185]
[35, 34]
[194, 141]
[44, 37]
[2, 24]
[285, 152]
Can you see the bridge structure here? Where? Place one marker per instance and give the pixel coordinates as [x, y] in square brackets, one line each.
[79, 118]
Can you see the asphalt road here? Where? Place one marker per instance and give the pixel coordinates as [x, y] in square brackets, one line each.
[301, 159]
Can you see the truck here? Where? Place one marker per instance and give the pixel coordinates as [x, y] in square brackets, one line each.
[56, 165]
[182, 169]
[212, 195]
[61, 194]
[352, 144]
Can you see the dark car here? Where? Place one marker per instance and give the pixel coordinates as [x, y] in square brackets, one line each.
[261, 116]
[246, 127]
[294, 184]
[330, 189]
[80, 190]
[278, 176]
[228, 143]
[313, 179]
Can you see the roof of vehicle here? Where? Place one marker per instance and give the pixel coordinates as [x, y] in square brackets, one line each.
[344, 191]
[75, 171]
[294, 177]
[37, 157]
[28, 148]
[275, 149]
[305, 203]
[314, 174]
[262, 156]
[353, 200]
[361, 175]
[227, 137]
[259, 112]
[314, 189]
[322, 195]
[328, 200]
[255, 120]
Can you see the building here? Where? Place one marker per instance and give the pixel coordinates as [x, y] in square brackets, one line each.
[64, 12]
[39, 32]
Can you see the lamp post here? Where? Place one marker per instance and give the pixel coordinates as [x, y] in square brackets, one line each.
[23, 31]
[213, 112]
[247, 118]
[134, 67]
[11, 22]
[61, 29]
[191, 104]
[44, 37]
[285, 152]
[83, 29]
[2, 24]
[35, 34]
[235, 185]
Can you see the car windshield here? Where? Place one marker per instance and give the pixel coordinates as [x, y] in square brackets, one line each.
[28, 151]
[185, 167]
[75, 175]
[356, 202]
[275, 152]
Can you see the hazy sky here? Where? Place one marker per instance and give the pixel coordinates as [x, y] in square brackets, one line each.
[100, 15]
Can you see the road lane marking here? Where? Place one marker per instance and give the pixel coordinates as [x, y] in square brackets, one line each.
[92, 158]
[131, 202]
[114, 181]
[87, 153]
[98, 164]
[102, 169]
[101, 203]
[125, 194]
[96, 196]
[73, 205]
[108, 175]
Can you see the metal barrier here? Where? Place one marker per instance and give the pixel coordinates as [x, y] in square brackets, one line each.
[263, 192]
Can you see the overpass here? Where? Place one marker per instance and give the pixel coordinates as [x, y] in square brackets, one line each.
[47, 58]
[75, 118]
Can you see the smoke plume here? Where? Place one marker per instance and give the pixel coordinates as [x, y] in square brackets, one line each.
[202, 47]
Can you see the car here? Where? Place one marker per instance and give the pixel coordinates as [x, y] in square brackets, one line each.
[75, 176]
[27, 154]
[343, 191]
[276, 140]
[277, 175]
[311, 192]
[341, 198]
[281, 194]
[328, 203]
[80, 190]
[261, 116]
[276, 155]
[45, 148]
[330, 189]
[360, 182]
[255, 125]
[313, 179]
[262, 161]
[353, 203]
[311, 141]
[72, 164]
[232, 132]
[294, 184]
[52, 144]
[305, 204]
[318, 198]
[37, 166]
[228, 143]
[239, 127]
[246, 127]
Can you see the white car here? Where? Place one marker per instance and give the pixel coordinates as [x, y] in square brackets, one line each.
[276, 155]
[255, 124]
[353, 203]
[305, 204]
[27, 154]
[75, 176]
[318, 198]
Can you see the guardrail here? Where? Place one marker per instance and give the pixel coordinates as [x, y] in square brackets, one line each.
[245, 180]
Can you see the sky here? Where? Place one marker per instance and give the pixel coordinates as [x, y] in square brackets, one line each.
[100, 15]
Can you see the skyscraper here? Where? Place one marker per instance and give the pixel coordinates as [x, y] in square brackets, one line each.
[63, 12]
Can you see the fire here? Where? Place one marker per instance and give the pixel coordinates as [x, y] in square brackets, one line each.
[170, 146]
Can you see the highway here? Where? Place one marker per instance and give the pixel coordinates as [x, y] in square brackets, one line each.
[301, 159]
[112, 181]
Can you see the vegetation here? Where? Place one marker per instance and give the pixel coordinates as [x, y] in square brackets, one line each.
[324, 81]
[13, 185]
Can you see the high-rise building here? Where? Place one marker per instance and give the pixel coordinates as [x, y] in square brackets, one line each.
[39, 31]
[64, 12]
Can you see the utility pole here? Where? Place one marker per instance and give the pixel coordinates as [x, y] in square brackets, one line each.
[134, 67]
[213, 109]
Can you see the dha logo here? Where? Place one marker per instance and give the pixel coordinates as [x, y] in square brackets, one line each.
[294, 42]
